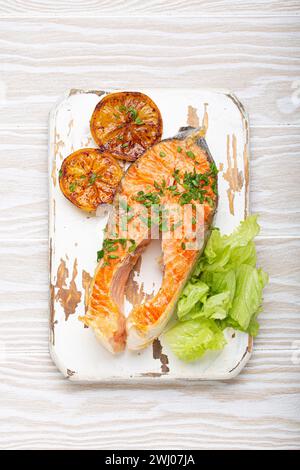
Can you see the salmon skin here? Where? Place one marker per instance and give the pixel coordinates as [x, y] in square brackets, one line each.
[179, 173]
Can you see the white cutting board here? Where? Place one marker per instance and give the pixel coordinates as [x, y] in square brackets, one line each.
[75, 237]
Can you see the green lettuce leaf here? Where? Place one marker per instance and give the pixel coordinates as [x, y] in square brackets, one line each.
[215, 307]
[248, 294]
[225, 291]
[194, 292]
[242, 255]
[228, 251]
[189, 340]
[220, 282]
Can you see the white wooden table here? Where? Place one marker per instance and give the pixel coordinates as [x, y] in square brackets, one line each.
[251, 47]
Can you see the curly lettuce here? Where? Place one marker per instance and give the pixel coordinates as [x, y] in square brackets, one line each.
[224, 291]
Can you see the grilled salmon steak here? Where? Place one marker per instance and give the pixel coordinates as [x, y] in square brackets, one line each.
[174, 176]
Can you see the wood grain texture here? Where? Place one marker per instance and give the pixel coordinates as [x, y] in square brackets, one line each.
[274, 172]
[259, 409]
[93, 8]
[280, 320]
[255, 57]
[24, 197]
[249, 47]
[23, 166]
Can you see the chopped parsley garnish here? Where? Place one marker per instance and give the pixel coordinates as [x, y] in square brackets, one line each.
[190, 154]
[209, 201]
[110, 245]
[185, 198]
[157, 186]
[213, 168]
[93, 178]
[132, 247]
[111, 248]
[133, 113]
[172, 188]
[183, 245]
[179, 149]
[176, 176]
[139, 121]
[194, 185]
[214, 187]
[72, 187]
[122, 241]
[125, 145]
[204, 179]
[60, 173]
[162, 154]
[193, 189]
[147, 199]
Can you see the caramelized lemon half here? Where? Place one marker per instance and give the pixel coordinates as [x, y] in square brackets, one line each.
[89, 177]
[125, 124]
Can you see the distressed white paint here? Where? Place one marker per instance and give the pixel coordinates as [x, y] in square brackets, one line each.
[74, 235]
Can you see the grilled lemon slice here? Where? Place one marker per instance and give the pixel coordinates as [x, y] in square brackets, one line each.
[125, 124]
[89, 177]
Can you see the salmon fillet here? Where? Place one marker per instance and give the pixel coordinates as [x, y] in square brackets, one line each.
[179, 176]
